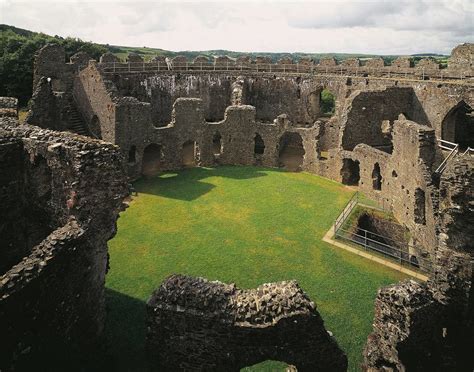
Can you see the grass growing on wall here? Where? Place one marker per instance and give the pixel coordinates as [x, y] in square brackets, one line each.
[237, 224]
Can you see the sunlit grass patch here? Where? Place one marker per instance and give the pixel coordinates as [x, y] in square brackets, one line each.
[238, 224]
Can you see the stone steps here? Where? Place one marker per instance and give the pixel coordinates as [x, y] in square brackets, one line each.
[76, 122]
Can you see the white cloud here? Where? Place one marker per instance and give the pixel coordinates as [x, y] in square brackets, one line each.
[381, 27]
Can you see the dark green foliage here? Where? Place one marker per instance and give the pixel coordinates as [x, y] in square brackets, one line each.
[18, 50]
[327, 102]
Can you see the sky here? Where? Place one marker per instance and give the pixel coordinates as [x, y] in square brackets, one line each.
[343, 26]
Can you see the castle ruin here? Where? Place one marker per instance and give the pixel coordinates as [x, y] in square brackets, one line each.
[401, 134]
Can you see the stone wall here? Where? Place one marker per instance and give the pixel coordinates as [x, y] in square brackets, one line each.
[195, 325]
[8, 106]
[430, 326]
[96, 99]
[62, 195]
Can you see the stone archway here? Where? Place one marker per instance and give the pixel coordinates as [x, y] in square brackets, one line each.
[291, 151]
[95, 127]
[350, 172]
[376, 177]
[190, 154]
[259, 145]
[152, 159]
[132, 154]
[217, 144]
[327, 102]
[458, 126]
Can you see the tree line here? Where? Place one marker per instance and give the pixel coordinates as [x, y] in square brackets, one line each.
[18, 48]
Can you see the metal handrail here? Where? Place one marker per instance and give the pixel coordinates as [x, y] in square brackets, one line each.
[452, 154]
[398, 254]
[446, 145]
[369, 237]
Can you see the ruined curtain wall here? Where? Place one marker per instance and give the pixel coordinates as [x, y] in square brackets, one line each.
[52, 305]
[96, 100]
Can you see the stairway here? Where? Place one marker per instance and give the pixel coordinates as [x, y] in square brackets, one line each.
[76, 122]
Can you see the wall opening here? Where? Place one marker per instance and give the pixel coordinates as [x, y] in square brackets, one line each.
[350, 172]
[95, 127]
[259, 145]
[327, 103]
[217, 144]
[291, 151]
[376, 177]
[458, 126]
[420, 209]
[132, 155]
[375, 232]
[190, 154]
[152, 159]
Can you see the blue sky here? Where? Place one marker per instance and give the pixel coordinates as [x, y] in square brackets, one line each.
[379, 27]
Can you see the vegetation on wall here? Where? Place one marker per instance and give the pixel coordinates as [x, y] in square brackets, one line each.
[328, 102]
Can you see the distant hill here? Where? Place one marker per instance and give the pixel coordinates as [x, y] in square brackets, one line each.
[19, 46]
[148, 53]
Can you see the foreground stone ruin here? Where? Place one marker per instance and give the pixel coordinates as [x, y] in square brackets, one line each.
[61, 195]
[402, 135]
[195, 325]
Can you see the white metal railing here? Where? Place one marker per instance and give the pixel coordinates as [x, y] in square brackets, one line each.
[468, 151]
[362, 71]
[446, 145]
[453, 149]
[372, 241]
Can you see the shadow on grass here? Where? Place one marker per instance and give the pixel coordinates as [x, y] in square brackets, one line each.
[188, 184]
[125, 332]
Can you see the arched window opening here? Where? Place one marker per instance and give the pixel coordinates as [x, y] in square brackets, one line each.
[291, 151]
[350, 172]
[376, 177]
[94, 127]
[132, 154]
[217, 144]
[458, 126]
[190, 154]
[152, 159]
[327, 103]
[259, 145]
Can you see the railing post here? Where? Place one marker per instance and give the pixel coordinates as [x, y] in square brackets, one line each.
[114, 66]
[129, 66]
[365, 239]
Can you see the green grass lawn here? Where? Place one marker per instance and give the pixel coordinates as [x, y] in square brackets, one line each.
[237, 224]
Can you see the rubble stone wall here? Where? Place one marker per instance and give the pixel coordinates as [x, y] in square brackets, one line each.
[194, 325]
[65, 192]
[430, 326]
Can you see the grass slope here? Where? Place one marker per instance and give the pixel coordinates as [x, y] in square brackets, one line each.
[237, 224]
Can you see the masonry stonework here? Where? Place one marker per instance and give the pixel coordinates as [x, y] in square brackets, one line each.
[194, 325]
[62, 194]
[383, 138]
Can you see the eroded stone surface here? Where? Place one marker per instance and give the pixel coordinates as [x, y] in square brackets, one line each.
[62, 194]
[194, 324]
